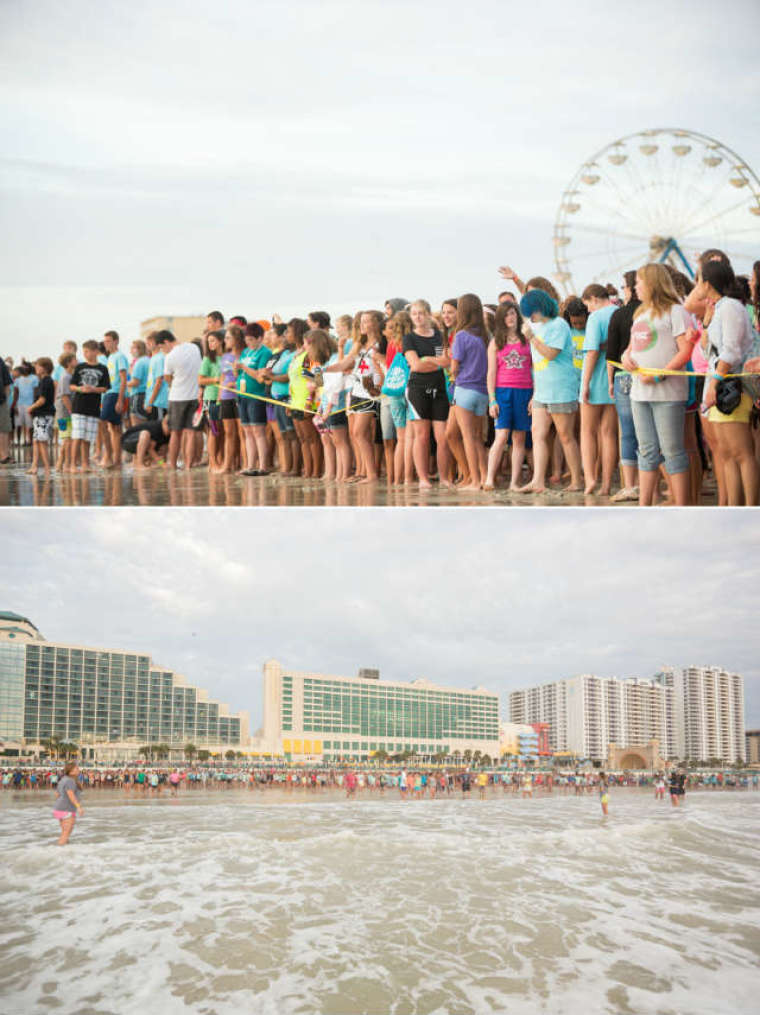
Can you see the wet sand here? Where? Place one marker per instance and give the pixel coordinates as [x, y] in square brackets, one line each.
[161, 487]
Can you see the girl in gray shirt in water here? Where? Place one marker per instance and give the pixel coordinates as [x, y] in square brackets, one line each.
[67, 804]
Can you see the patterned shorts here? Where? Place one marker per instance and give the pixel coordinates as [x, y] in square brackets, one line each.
[42, 427]
[84, 428]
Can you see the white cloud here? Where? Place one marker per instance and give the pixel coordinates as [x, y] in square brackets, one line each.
[173, 156]
[504, 599]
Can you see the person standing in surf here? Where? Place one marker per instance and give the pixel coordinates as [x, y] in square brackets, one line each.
[604, 793]
[67, 806]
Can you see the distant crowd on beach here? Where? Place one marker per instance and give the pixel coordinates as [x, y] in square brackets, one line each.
[409, 783]
[631, 394]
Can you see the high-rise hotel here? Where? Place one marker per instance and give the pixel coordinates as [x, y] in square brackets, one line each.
[108, 702]
[329, 717]
[693, 713]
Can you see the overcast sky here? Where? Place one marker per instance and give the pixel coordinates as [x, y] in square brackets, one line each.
[174, 156]
[503, 599]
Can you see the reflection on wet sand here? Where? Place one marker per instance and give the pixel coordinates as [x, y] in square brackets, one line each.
[162, 487]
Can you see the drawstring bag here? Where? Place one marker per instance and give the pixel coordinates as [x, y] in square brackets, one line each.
[728, 394]
[396, 376]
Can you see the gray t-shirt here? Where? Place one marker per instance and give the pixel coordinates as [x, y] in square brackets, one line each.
[62, 802]
[63, 388]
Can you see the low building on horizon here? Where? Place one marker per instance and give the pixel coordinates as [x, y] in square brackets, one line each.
[184, 329]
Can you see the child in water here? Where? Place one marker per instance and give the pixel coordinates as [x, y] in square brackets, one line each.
[604, 795]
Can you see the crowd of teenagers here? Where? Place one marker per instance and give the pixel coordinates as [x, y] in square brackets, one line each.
[410, 784]
[629, 396]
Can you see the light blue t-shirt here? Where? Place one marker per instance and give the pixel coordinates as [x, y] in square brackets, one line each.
[140, 371]
[596, 340]
[280, 389]
[554, 380]
[25, 387]
[254, 359]
[117, 362]
[156, 370]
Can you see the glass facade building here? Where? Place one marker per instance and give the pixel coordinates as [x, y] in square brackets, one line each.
[93, 696]
[309, 714]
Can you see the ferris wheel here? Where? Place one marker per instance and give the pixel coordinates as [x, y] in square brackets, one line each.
[658, 195]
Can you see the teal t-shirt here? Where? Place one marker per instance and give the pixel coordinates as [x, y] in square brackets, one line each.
[597, 327]
[140, 371]
[554, 380]
[116, 362]
[156, 370]
[256, 359]
[280, 389]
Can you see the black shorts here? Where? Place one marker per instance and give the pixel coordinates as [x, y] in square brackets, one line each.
[228, 409]
[181, 414]
[430, 403]
[298, 414]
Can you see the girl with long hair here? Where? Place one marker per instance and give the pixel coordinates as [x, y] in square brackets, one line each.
[454, 442]
[729, 344]
[510, 388]
[208, 380]
[234, 344]
[403, 466]
[469, 368]
[659, 339]
[301, 401]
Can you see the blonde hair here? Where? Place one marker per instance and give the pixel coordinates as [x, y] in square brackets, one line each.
[662, 293]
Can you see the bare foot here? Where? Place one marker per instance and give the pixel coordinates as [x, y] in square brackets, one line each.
[32, 470]
[472, 488]
[530, 488]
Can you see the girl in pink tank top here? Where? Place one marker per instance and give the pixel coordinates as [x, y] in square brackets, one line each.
[510, 389]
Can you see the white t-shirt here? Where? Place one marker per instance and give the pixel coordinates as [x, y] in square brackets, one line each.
[730, 334]
[183, 364]
[653, 344]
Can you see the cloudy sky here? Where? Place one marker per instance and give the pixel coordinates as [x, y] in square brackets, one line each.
[170, 156]
[502, 599]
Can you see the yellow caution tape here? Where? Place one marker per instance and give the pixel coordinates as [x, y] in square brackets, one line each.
[287, 405]
[660, 371]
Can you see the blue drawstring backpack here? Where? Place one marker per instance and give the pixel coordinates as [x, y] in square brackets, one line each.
[396, 376]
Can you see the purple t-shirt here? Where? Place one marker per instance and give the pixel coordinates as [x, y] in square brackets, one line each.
[470, 352]
[227, 377]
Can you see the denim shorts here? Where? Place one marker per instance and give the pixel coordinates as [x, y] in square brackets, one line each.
[386, 419]
[108, 411]
[284, 421]
[338, 420]
[252, 411]
[473, 401]
[513, 408]
[399, 414]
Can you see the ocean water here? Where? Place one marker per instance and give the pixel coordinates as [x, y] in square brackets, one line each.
[232, 902]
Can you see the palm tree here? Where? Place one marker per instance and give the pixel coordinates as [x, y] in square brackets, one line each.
[230, 755]
[204, 755]
[485, 760]
[53, 745]
[147, 751]
[190, 751]
[467, 755]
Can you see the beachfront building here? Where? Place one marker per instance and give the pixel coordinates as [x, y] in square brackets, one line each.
[752, 739]
[586, 713]
[321, 717]
[184, 329]
[709, 713]
[108, 702]
[519, 741]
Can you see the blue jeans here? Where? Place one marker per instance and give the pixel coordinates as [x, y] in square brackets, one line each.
[659, 429]
[628, 444]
